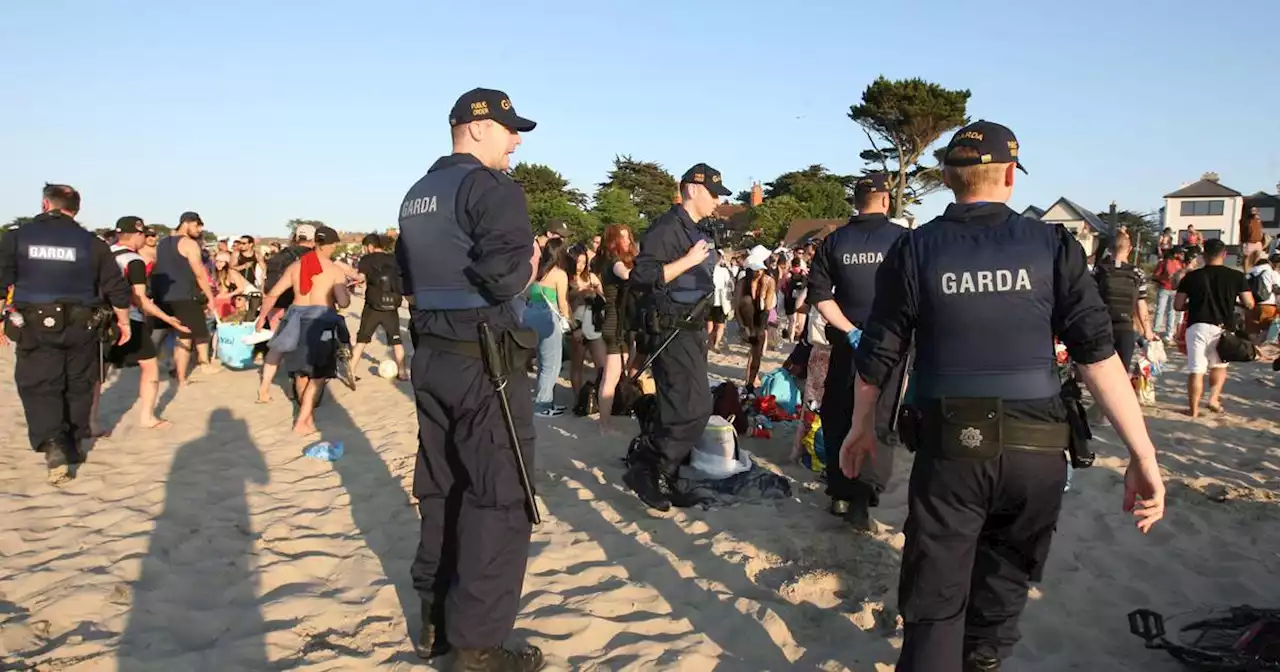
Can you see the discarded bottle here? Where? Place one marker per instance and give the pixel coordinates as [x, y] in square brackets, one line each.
[324, 450]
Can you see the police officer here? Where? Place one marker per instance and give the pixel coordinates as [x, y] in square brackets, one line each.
[466, 255]
[60, 273]
[1123, 287]
[984, 291]
[842, 285]
[673, 272]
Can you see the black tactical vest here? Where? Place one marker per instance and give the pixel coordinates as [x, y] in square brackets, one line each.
[1119, 289]
[854, 253]
[696, 282]
[54, 266]
[986, 298]
[436, 246]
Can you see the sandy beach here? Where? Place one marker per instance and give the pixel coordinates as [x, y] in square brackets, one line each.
[215, 545]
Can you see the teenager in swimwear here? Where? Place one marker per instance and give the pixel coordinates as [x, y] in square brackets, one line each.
[311, 332]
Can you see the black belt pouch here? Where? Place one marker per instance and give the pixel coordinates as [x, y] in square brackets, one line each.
[971, 428]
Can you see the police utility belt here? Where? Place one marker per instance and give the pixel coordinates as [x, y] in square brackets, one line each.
[975, 428]
[663, 312]
[54, 318]
[517, 346]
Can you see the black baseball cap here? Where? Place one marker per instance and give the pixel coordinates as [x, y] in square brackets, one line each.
[189, 216]
[995, 144]
[872, 183]
[558, 227]
[130, 224]
[708, 177]
[480, 104]
[325, 235]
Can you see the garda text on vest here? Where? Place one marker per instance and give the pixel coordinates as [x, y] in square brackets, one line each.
[861, 258]
[987, 282]
[51, 253]
[413, 207]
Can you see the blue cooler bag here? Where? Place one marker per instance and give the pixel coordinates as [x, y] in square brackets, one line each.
[233, 352]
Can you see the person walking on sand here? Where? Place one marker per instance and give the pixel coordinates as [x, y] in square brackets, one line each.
[139, 350]
[311, 336]
[1209, 296]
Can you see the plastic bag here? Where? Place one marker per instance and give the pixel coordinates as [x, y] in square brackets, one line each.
[1156, 354]
[814, 455]
[324, 450]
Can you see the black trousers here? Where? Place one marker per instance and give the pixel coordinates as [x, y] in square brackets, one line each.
[683, 397]
[55, 374]
[1126, 343]
[977, 535]
[837, 419]
[475, 529]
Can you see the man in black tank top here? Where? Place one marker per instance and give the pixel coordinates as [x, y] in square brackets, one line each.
[247, 260]
[180, 287]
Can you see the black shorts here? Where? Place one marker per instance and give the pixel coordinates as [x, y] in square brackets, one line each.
[190, 314]
[717, 315]
[371, 319]
[138, 348]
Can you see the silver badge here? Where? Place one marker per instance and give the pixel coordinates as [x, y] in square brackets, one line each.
[970, 437]
[49, 322]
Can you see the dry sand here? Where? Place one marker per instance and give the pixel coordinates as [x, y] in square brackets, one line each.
[214, 545]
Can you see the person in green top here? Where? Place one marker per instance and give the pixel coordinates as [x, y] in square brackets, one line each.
[547, 314]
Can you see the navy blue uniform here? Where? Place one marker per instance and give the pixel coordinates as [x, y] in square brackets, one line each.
[984, 291]
[464, 256]
[844, 270]
[680, 372]
[53, 261]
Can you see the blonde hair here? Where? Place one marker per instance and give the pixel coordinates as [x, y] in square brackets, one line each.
[964, 180]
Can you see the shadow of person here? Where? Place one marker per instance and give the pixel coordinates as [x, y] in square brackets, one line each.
[380, 507]
[196, 605]
[119, 396]
[814, 616]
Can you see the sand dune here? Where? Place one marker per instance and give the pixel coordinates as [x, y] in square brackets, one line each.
[214, 545]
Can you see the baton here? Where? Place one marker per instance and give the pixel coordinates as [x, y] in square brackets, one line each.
[902, 389]
[493, 365]
[698, 308]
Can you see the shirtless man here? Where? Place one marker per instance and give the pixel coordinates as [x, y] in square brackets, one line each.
[307, 334]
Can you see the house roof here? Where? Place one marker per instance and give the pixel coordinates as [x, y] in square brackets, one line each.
[1033, 211]
[815, 229]
[1261, 197]
[1203, 189]
[1095, 222]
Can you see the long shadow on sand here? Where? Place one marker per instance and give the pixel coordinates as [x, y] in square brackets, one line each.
[189, 606]
[382, 511]
[745, 637]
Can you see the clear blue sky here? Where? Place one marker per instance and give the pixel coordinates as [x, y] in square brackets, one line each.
[253, 113]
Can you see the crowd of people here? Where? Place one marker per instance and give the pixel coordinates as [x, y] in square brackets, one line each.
[987, 424]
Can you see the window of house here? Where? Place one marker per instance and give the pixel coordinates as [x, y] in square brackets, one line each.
[1202, 208]
[1268, 216]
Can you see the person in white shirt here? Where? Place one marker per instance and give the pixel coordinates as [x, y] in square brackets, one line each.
[721, 302]
[1264, 281]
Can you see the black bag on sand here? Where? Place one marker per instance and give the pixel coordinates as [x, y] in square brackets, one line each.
[625, 396]
[587, 402]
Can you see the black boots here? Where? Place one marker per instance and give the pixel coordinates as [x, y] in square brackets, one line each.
[499, 659]
[57, 459]
[643, 479]
[432, 641]
[855, 511]
[981, 660]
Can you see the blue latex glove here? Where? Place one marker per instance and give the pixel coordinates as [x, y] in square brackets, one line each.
[855, 336]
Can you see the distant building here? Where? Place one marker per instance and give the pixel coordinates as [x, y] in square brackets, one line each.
[1268, 206]
[1033, 212]
[1086, 226]
[1213, 208]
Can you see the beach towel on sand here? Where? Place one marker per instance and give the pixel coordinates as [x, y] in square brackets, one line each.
[309, 337]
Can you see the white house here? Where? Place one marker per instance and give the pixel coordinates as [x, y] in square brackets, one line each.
[1081, 222]
[1213, 209]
